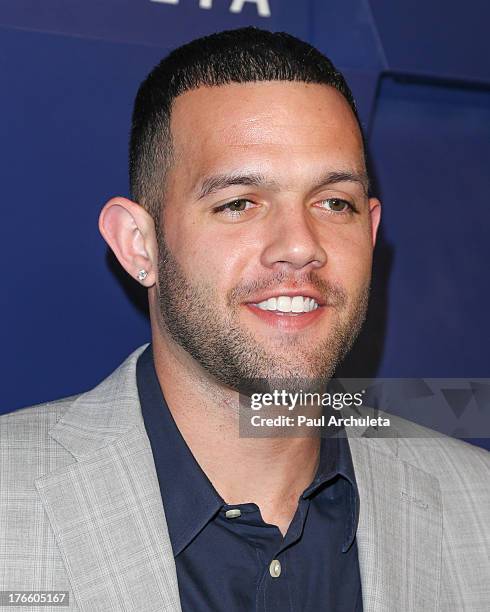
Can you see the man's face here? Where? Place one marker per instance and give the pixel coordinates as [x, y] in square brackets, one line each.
[267, 233]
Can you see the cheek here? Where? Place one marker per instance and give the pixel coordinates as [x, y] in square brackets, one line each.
[182, 236]
[350, 258]
[208, 256]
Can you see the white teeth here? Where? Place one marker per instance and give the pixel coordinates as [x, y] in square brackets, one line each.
[297, 303]
[284, 303]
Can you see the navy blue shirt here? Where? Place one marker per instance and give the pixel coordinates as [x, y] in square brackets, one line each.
[240, 563]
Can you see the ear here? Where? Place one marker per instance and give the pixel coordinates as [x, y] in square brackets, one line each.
[130, 232]
[375, 216]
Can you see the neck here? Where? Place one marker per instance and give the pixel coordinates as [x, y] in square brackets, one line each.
[271, 472]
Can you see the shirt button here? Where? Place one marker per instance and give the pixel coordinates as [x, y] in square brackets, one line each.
[234, 513]
[275, 568]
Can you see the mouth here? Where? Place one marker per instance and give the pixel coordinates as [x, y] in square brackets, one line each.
[285, 304]
[288, 311]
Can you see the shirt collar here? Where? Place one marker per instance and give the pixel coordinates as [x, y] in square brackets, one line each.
[336, 461]
[190, 500]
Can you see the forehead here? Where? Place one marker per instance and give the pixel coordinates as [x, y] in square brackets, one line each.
[273, 121]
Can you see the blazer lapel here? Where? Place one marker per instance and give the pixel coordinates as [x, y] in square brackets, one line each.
[399, 534]
[105, 508]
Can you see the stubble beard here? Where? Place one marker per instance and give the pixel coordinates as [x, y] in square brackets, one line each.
[190, 315]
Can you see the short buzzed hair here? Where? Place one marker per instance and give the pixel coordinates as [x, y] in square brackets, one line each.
[235, 56]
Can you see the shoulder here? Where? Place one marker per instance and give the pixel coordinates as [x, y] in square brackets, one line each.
[422, 445]
[462, 469]
[456, 464]
[27, 451]
[31, 424]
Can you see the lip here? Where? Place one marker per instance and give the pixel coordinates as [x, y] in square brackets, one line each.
[310, 293]
[286, 321]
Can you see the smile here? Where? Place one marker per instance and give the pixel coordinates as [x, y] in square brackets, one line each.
[286, 304]
[287, 314]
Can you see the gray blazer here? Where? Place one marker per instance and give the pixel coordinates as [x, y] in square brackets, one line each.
[81, 511]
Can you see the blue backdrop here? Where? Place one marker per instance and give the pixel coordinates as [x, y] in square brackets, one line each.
[69, 71]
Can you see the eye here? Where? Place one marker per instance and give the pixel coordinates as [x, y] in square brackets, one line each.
[235, 208]
[336, 205]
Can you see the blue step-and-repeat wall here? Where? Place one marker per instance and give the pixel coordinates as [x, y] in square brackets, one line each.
[420, 71]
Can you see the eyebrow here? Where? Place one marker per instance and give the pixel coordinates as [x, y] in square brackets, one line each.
[217, 182]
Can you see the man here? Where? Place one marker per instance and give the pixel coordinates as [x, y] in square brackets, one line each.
[252, 227]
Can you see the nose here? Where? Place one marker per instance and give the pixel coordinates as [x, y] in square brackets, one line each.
[293, 241]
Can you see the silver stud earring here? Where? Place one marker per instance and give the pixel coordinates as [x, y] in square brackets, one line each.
[142, 274]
